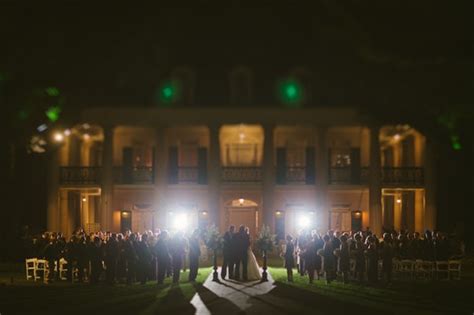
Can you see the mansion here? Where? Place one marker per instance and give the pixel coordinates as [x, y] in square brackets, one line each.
[174, 168]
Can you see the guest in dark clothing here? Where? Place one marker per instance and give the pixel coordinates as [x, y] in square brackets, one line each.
[111, 256]
[386, 254]
[319, 244]
[131, 258]
[96, 256]
[301, 241]
[242, 243]
[289, 257]
[228, 252]
[162, 255]
[309, 255]
[121, 260]
[177, 249]
[194, 253]
[372, 259]
[144, 259]
[441, 247]
[428, 247]
[344, 258]
[357, 252]
[82, 258]
[329, 261]
[51, 254]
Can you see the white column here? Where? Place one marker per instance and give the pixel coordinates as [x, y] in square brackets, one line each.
[268, 175]
[214, 174]
[159, 174]
[322, 172]
[375, 183]
[53, 190]
[430, 186]
[107, 184]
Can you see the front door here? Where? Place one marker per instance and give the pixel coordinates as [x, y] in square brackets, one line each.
[243, 216]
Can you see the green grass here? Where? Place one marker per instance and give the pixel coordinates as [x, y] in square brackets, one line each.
[402, 297]
[28, 297]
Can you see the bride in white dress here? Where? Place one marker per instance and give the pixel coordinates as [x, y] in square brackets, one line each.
[253, 270]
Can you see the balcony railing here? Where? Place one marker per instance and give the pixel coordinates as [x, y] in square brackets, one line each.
[80, 175]
[241, 174]
[188, 174]
[136, 175]
[405, 176]
[296, 174]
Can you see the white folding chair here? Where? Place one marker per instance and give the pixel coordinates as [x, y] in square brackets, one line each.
[407, 267]
[424, 269]
[30, 265]
[62, 269]
[454, 269]
[442, 269]
[42, 270]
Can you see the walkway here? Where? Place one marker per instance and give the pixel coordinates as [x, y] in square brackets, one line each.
[231, 297]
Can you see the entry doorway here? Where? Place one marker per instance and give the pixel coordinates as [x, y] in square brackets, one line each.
[243, 212]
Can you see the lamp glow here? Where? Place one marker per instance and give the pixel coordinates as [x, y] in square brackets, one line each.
[399, 200]
[67, 132]
[304, 221]
[58, 137]
[180, 222]
[241, 201]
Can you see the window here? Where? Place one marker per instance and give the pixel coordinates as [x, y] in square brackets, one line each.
[240, 81]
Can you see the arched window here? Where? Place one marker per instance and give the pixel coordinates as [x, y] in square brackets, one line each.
[184, 80]
[240, 83]
[304, 78]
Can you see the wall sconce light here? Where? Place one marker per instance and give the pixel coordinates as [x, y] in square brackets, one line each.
[84, 199]
[399, 200]
[241, 201]
[204, 213]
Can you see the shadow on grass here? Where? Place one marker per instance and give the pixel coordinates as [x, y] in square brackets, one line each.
[285, 298]
[214, 303]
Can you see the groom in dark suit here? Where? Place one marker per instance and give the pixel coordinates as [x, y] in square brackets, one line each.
[228, 253]
[242, 243]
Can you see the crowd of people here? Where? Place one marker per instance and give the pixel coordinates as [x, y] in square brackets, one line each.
[130, 257]
[314, 255]
[117, 257]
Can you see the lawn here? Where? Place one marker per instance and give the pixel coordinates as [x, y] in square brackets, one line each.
[402, 297]
[28, 297]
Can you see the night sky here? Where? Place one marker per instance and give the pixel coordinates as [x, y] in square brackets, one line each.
[412, 59]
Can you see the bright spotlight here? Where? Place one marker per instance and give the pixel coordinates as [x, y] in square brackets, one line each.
[180, 222]
[58, 137]
[304, 221]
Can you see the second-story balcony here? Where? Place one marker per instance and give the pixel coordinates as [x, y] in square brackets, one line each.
[295, 175]
[390, 176]
[80, 175]
[136, 175]
[242, 174]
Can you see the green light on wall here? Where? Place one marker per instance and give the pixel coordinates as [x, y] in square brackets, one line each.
[168, 93]
[290, 93]
[455, 143]
[53, 113]
[52, 91]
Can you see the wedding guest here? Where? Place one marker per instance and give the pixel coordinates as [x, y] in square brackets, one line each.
[96, 257]
[309, 256]
[387, 254]
[111, 253]
[162, 255]
[319, 244]
[372, 259]
[194, 253]
[329, 261]
[357, 252]
[344, 258]
[177, 249]
[289, 257]
[144, 259]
